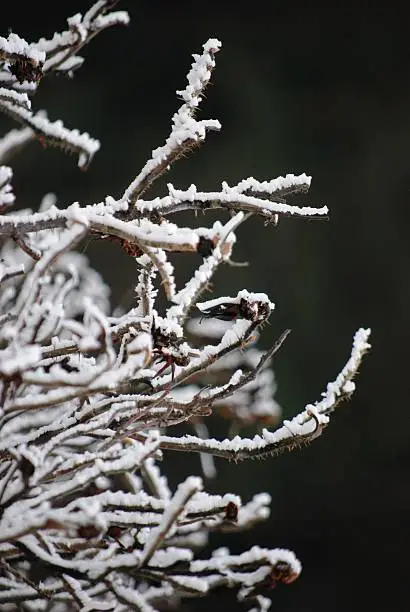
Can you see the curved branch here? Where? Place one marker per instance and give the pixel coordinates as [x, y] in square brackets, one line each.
[301, 430]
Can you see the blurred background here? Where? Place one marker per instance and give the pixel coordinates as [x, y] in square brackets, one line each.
[321, 88]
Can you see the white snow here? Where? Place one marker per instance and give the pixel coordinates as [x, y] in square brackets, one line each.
[274, 185]
[185, 128]
[55, 131]
[200, 73]
[243, 294]
[15, 359]
[176, 505]
[6, 192]
[14, 140]
[76, 413]
[236, 199]
[13, 45]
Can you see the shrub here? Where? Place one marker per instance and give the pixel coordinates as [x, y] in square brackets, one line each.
[87, 519]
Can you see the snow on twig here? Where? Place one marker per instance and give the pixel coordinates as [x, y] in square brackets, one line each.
[220, 243]
[176, 505]
[6, 192]
[54, 133]
[279, 187]
[303, 428]
[186, 130]
[13, 47]
[13, 142]
[62, 47]
[241, 197]
[27, 63]
[88, 393]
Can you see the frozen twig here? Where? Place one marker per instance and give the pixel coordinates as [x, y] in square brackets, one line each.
[29, 62]
[54, 133]
[88, 519]
[60, 51]
[176, 505]
[302, 429]
[13, 142]
[186, 131]
[229, 198]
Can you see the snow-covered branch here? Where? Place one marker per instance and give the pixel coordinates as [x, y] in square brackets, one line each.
[302, 429]
[233, 198]
[13, 142]
[186, 131]
[23, 65]
[88, 395]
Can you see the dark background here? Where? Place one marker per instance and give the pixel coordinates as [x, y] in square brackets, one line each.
[318, 87]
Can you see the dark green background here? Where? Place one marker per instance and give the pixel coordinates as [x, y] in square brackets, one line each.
[317, 87]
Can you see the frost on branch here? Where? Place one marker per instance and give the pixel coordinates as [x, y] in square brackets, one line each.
[186, 131]
[23, 65]
[87, 396]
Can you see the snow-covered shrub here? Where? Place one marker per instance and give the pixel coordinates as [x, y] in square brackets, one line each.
[87, 519]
